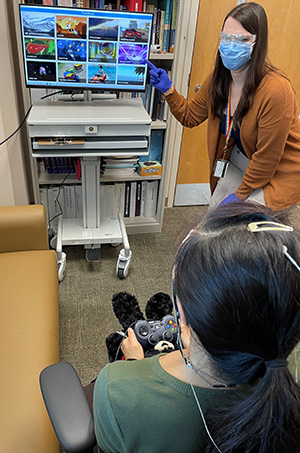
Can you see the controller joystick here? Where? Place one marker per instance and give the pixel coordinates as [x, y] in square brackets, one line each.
[149, 333]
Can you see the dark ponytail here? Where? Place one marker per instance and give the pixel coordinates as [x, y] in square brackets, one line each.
[241, 296]
[266, 421]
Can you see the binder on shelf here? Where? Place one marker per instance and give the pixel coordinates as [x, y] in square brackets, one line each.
[138, 198]
[151, 101]
[132, 199]
[153, 37]
[173, 25]
[127, 199]
[78, 202]
[102, 201]
[167, 25]
[162, 27]
[120, 197]
[151, 191]
[143, 190]
[69, 192]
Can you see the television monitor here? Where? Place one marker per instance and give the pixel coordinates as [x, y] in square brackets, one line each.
[78, 48]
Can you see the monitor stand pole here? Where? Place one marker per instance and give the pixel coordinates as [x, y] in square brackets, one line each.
[87, 95]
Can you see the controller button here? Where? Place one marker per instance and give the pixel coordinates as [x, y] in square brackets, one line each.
[175, 325]
[168, 336]
[173, 330]
[153, 339]
[168, 327]
[157, 327]
[170, 322]
[143, 330]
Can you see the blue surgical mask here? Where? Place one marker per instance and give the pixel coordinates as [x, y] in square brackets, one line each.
[235, 55]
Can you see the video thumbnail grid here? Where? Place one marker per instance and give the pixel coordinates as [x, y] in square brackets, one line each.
[64, 50]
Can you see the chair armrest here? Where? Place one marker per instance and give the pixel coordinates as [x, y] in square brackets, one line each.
[68, 408]
[23, 228]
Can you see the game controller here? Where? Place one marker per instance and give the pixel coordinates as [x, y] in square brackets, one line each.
[149, 333]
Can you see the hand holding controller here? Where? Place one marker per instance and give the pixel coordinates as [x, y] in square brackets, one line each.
[149, 333]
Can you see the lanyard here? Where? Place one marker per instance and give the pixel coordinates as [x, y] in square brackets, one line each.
[228, 124]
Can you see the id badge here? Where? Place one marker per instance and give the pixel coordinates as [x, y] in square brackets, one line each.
[221, 167]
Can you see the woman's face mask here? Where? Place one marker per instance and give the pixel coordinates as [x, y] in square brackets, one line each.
[235, 50]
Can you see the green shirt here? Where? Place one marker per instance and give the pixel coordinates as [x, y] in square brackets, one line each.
[140, 408]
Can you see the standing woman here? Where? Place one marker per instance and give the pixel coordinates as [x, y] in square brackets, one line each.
[253, 134]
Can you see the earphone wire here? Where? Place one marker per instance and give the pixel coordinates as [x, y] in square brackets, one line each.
[177, 317]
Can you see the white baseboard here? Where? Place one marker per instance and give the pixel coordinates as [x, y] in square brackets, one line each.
[192, 194]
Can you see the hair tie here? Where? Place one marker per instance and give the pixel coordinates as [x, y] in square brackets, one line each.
[277, 363]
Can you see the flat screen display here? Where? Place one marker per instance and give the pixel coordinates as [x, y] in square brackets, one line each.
[85, 49]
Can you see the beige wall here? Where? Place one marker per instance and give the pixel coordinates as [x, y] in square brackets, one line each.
[13, 180]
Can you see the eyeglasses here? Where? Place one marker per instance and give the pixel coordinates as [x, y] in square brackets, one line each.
[246, 39]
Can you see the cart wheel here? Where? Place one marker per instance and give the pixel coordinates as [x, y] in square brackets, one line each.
[62, 263]
[123, 264]
[120, 274]
[122, 268]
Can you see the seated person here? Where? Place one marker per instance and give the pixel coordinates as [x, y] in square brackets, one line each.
[236, 283]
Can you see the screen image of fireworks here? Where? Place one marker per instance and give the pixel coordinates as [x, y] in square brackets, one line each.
[68, 49]
[105, 52]
[132, 53]
[41, 70]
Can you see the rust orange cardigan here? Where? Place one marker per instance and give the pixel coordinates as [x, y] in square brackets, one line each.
[270, 135]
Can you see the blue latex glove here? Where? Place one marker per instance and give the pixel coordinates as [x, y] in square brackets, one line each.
[230, 199]
[159, 78]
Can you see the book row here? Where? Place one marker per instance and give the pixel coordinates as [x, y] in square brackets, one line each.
[164, 14]
[131, 198]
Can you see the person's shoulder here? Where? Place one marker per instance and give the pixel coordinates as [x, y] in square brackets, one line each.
[276, 81]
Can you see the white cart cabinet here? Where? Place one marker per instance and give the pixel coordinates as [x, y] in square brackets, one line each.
[89, 130]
